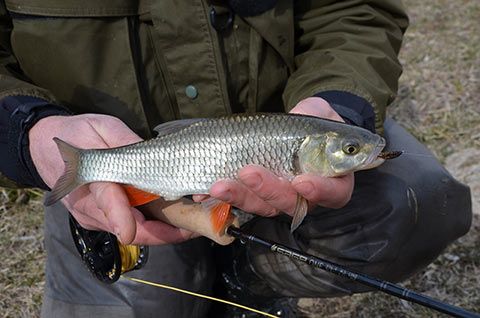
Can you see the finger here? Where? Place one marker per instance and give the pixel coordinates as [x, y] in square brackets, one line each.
[236, 194]
[147, 232]
[83, 207]
[154, 232]
[88, 222]
[111, 199]
[328, 192]
[200, 197]
[275, 191]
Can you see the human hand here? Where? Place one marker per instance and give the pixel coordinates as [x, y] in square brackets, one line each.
[99, 205]
[259, 191]
[328, 192]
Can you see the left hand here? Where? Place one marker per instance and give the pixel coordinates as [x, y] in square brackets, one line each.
[259, 191]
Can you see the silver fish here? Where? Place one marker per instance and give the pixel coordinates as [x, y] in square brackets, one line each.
[188, 156]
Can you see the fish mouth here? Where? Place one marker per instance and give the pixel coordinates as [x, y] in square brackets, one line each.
[375, 159]
[387, 155]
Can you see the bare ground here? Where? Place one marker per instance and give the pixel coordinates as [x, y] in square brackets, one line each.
[438, 102]
[23, 257]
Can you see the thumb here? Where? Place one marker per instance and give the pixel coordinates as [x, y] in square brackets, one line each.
[111, 199]
[318, 107]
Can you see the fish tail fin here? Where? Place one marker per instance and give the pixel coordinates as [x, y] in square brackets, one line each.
[137, 197]
[68, 181]
[301, 209]
[220, 214]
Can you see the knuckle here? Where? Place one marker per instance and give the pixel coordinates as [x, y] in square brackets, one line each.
[275, 191]
[272, 212]
[270, 195]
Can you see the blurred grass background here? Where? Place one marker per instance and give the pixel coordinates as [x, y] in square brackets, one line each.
[438, 101]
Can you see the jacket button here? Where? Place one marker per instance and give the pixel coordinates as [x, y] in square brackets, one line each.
[191, 91]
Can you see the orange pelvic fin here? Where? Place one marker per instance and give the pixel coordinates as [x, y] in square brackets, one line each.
[138, 197]
[221, 216]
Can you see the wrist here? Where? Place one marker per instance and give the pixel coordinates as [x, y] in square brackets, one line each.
[26, 112]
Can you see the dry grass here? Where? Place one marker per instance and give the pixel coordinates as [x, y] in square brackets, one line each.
[438, 102]
[454, 278]
[23, 257]
[439, 91]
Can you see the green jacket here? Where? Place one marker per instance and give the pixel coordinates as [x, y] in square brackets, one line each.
[147, 62]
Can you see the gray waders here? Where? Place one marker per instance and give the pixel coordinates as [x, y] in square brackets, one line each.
[401, 216]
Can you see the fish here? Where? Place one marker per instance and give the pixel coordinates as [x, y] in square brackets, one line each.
[189, 155]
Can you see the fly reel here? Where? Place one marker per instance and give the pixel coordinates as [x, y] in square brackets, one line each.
[104, 256]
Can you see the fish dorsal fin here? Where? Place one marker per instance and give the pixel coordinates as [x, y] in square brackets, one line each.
[173, 126]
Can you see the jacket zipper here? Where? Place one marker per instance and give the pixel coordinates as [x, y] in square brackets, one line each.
[163, 70]
[151, 114]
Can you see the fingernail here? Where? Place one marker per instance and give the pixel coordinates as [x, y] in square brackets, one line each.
[304, 188]
[253, 180]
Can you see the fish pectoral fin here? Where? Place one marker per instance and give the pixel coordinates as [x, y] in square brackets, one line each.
[301, 209]
[220, 214]
[173, 126]
[137, 197]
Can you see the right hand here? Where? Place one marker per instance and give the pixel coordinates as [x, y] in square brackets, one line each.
[258, 190]
[99, 206]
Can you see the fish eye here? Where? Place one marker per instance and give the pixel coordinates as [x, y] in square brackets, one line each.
[351, 148]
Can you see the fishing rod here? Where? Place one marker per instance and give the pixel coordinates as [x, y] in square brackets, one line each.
[108, 259]
[336, 269]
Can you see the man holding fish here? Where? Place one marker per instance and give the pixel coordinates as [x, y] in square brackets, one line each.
[93, 76]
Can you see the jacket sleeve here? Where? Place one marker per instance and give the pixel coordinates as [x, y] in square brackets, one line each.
[13, 83]
[348, 46]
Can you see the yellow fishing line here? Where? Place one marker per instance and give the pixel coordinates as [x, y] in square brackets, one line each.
[200, 295]
[129, 254]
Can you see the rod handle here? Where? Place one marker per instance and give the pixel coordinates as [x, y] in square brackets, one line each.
[192, 216]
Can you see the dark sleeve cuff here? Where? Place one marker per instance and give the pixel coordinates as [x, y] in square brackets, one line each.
[17, 115]
[353, 109]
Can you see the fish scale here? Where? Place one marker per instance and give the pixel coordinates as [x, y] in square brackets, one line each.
[191, 160]
[188, 156]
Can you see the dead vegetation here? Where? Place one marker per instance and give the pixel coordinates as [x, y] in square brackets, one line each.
[438, 102]
[23, 257]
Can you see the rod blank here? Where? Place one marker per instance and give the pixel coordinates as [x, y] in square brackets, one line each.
[336, 269]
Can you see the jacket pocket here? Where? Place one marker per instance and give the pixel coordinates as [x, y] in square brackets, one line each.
[82, 51]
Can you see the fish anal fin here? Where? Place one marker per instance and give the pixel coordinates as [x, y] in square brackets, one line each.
[137, 197]
[220, 215]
